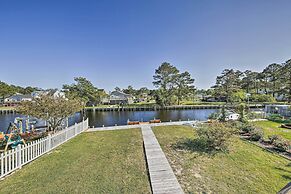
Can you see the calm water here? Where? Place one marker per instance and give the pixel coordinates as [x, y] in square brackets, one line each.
[5, 119]
[98, 119]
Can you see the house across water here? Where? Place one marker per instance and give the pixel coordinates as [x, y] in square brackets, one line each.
[283, 110]
[118, 97]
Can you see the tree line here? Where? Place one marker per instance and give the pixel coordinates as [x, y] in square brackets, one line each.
[172, 86]
[7, 90]
[273, 82]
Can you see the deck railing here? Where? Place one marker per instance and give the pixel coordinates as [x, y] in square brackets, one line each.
[14, 159]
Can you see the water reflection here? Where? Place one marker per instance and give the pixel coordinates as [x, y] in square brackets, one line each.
[98, 119]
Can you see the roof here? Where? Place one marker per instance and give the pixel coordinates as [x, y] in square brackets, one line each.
[19, 97]
[118, 93]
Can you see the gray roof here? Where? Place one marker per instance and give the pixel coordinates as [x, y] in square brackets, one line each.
[119, 95]
[19, 97]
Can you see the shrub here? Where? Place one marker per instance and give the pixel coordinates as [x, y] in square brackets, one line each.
[273, 138]
[247, 128]
[214, 136]
[275, 118]
[236, 125]
[214, 116]
[255, 115]
[256, 134]
[262, 98]
[242, 110]
[281, 144]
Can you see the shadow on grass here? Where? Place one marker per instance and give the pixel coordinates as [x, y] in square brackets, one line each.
[196, 145]
[287, 177]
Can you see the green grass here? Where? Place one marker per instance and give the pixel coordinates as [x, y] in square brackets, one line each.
[246, 168]
[201, 103]
[97, 162]
[273, 128]
[7, 108]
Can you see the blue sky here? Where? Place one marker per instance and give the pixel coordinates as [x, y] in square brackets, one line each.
[120, 43]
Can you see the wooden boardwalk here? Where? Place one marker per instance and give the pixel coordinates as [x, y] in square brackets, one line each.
[162, 177]
[142, 125]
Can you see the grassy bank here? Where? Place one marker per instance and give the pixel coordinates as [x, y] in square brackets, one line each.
[273, 128]
[97, 162]
[244, 169]
[7, 108]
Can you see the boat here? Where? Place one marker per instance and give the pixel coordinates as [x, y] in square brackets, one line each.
[133, 122]
[142, 123]
[155, 121]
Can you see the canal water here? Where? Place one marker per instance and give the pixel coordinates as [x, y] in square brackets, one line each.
[98, 119]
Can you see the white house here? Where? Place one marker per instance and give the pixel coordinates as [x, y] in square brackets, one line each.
[55, 93]
[37, 94]
[17, 98]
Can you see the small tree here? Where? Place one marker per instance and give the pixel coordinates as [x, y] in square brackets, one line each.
[54, 110]
[242, 111]
[222, 117]
[214, 136]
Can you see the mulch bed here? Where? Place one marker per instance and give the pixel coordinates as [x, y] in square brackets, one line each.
[268, 147]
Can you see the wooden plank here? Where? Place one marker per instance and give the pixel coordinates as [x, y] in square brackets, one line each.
[162, 177]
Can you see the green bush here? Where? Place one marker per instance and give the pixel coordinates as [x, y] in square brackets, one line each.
[262, 98]
[273, 138]
[256, 134]
[214, 116]
[214, 136]
[247, 127]
[281, 144]
[278, 118]
[254, 115]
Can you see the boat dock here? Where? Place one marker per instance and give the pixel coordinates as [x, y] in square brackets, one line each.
[7, 111]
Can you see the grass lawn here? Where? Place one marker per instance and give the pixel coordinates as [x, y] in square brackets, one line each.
[244, 169]
[201, 103]
[97, 162]
[273, 128]
[6, 108]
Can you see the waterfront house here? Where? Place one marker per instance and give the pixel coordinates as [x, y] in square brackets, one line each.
[118, 97]
[283, 110]
[54, 92]
[277, 96]
[17, 98]
[37, 94]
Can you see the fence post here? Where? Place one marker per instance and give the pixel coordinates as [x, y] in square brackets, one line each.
[18, 156]
[66, 134]
[49, 142]
[83, 122]
[76, 128]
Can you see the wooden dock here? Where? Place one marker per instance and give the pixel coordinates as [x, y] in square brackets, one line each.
[162, 177]
[7, 111]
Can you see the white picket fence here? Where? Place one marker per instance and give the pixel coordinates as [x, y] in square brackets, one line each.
[14, 159]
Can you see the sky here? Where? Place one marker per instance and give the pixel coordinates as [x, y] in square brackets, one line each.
[121, 42]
